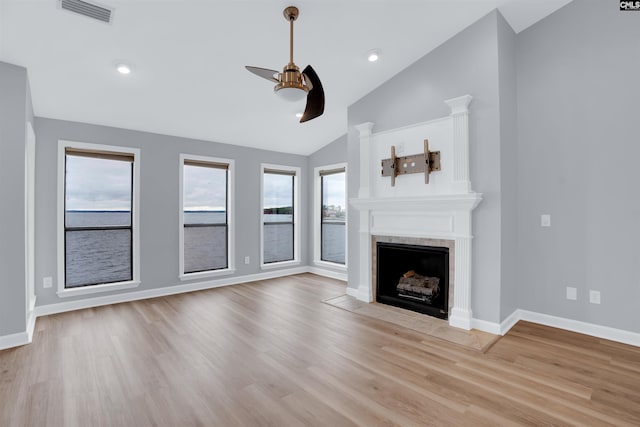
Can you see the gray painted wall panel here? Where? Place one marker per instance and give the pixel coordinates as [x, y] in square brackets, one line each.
[158, 198]
[577, 110]
[334, 152]
[465, 64]
[15, 111]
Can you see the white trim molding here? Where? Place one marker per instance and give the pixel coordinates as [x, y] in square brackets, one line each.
[20, 338]
[599, 331]
[230, 209]
[14, 340]
[30, 224]
[365, 130]
[135, 221]
[297, 184]
[460, 117]
[317, 218]
[329, 273]
[62, 307]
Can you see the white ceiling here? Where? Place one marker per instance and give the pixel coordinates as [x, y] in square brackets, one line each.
[188, 59]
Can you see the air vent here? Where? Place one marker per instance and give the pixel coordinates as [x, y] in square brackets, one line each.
[91, 10]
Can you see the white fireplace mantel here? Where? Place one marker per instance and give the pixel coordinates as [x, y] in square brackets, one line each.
[440, 210]
[439, 202]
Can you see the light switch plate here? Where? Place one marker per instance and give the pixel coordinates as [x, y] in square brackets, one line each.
[545, 220]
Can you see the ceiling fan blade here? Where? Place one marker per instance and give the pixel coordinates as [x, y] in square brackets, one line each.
[264, 73]
[315, 97]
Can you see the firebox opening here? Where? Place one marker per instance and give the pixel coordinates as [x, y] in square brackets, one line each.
[413, 277]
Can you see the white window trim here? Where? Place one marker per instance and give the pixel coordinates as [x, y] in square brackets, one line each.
[317, 208]
[135, 221]
[296, 216]
[230, 215]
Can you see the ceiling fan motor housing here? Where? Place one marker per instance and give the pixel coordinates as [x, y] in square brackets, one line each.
[292, 85]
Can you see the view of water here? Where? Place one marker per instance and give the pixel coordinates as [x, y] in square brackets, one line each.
[104, 256]
[97, 256]
[333, 238]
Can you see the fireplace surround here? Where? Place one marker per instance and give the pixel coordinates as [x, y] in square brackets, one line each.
[415, 277]
[413, 211]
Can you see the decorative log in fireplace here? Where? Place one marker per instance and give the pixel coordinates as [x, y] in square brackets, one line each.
[413, 277]
[418, 287]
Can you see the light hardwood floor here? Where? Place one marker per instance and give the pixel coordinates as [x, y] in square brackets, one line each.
[271, 353]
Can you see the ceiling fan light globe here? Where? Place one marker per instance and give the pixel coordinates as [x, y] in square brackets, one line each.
[291, 94]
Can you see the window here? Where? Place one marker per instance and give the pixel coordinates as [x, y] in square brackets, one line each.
[98, 232]
[279, 209]
[204, 239]
[333, 215]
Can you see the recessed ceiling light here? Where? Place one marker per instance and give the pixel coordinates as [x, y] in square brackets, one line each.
[298, 115]
[123, 69]
[373, 55]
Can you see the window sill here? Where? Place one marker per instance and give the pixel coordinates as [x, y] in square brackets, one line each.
[274, 265]
[205, 274]
[94, 289]
[332, 265]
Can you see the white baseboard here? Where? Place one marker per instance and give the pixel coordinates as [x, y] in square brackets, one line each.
[62, 307]
[31, 324]
[20, 338]
[485, 326]
[510, 321]
[14, 340]
[599, 331]
[362, 293]
[352, 292]
[328, 273]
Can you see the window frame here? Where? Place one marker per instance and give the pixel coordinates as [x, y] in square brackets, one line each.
[99, 149]
[296, 173]
[317, 218]
[230, 216]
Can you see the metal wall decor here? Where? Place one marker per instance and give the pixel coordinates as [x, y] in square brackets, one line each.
[427, 162]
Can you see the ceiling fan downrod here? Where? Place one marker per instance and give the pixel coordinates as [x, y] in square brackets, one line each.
[291, 14]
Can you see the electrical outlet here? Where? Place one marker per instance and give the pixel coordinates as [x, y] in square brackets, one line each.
[47, 282]
[594, 297]
[247, 260]
[572, 293]
[545, 220]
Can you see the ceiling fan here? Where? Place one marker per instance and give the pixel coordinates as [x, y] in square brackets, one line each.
[293, 85]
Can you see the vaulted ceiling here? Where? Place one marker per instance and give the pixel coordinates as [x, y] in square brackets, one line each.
[188, 57]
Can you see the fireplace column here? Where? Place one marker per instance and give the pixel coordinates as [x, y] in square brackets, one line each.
[364, 234]
[461, 314]
[460, 117]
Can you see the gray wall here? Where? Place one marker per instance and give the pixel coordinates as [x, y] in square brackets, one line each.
[334, 152]
[508, 166]
[465, 64]
[158, 199]
[578, 161]
[15, 112]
